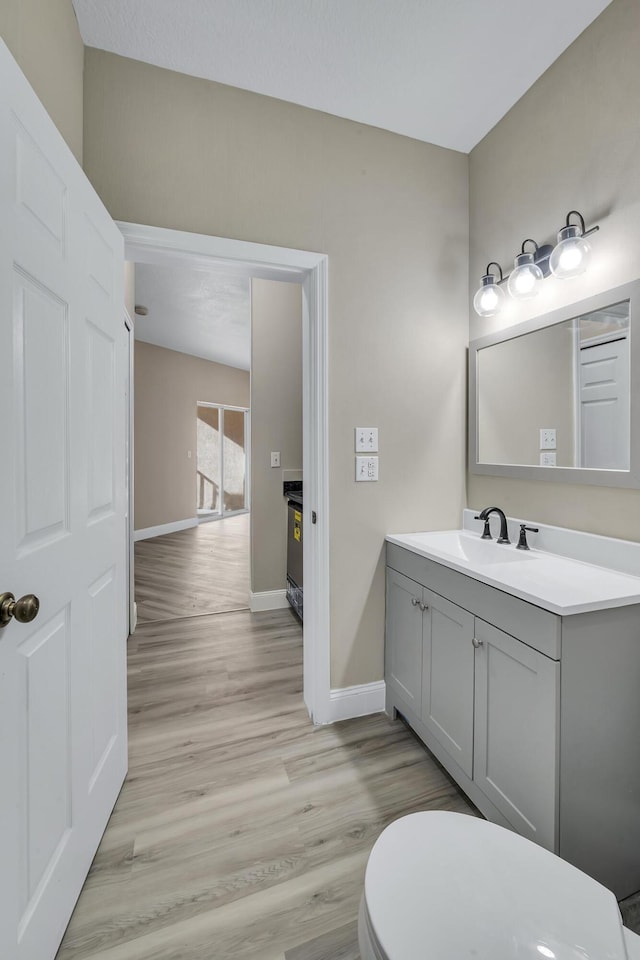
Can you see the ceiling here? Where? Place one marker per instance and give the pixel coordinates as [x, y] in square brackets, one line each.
[442, 71]
[206, 313]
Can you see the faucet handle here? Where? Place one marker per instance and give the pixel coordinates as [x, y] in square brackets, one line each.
[486, 533]
[522, 542]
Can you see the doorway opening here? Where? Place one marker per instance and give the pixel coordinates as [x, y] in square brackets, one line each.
[309, 270]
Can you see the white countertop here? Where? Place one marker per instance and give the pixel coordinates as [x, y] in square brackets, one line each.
[560, 584]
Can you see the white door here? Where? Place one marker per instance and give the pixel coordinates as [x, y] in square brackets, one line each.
[62, 514]
[604, 405]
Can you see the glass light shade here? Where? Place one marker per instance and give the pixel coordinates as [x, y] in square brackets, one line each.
[572, 254]
[489, 297]
[525, 280]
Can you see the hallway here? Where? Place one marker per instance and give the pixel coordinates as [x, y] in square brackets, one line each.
[242, 830]
[202, 570]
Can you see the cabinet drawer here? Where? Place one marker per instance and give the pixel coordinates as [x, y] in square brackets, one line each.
[536, 627]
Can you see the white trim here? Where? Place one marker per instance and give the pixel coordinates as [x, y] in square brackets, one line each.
[133, 611]
[268, 600]
[315, 462]
[147, 532]
[348, 702]
[159, 245]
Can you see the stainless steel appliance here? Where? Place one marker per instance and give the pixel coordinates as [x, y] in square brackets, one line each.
[294, 553]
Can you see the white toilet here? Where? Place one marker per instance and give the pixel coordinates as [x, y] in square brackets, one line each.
[447, 886]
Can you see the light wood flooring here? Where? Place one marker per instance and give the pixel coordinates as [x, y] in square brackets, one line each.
[242, 831]
[192, 572]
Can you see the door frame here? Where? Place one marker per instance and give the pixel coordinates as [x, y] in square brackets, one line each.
[158, 245]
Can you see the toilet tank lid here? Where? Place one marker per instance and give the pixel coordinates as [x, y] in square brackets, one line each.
[448, 885]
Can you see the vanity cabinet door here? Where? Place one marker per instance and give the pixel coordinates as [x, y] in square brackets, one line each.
[403, 641]
[516, 732]
[447, 678]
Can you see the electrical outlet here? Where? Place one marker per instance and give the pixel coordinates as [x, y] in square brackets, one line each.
[366, 468]
[548, 438]
[275, 458]
[548, 459]
[367, 439]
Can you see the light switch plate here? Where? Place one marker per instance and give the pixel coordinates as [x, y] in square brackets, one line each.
[548, 438]
[548, 458]
[366, 468]
[366, 439]
[275, 458]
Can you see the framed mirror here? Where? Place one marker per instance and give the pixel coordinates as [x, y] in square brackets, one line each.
[557, 397]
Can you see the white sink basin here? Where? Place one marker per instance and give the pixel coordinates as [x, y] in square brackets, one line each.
[469, 547]
[554, 582]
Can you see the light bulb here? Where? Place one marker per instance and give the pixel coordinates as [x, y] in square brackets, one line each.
[571, 256]
[524, 283]
[489, 297]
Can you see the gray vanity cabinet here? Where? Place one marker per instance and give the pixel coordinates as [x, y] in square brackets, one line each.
[515, 731]
[447, 677]
[403, 658]
[483, 700]
[536, 716]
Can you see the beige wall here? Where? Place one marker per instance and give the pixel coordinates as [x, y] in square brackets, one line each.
[167, 387]
[43, 37]
[392, 215]
[525, 384]
[276, 422]
[572, 142]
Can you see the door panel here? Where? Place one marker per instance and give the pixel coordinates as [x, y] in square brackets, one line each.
[604, 405]
[101, 399]
[447, 700]
[63, 370]
[516, 729]
[403, 647]
[41, 356]
[44, 731]
[104, 669]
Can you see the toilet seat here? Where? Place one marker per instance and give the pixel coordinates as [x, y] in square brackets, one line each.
[442, 885]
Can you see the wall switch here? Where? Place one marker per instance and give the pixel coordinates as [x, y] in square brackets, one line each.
[188, 454]
[548, 459]
[366, 468]
[275, 458]
[367, 439]
[548, 438]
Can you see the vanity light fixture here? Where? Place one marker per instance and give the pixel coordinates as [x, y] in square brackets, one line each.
[489, 297]
[525, 280]
[571, 256]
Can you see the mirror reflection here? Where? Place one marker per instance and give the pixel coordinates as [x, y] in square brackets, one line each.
[558, 396]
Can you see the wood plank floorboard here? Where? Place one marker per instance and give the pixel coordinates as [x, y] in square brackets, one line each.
[194, 572]
[242, 831]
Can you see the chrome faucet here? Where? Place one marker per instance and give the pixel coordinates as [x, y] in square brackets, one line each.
[485, 514]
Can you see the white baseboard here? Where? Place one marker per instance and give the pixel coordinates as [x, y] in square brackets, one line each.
[348, 702]
[268, 600]
[147, 532]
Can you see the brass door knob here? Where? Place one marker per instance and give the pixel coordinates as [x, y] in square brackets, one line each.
[24, 610]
